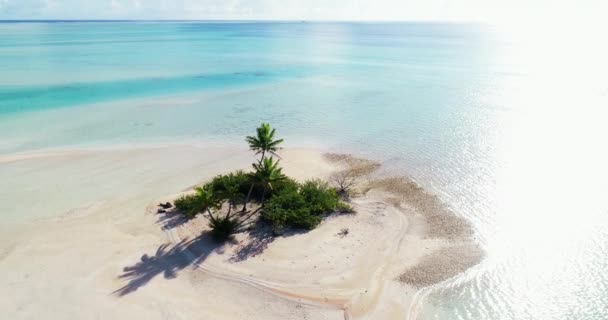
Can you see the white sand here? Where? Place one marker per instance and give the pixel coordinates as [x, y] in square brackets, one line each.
[81, 240]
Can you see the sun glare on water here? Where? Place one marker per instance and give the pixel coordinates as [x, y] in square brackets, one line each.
[546, 242]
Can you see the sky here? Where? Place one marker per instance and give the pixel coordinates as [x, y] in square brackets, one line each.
[443, 10]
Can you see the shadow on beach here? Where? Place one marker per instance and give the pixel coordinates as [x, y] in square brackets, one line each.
[167, 260]
[171, 219]
[257, 241]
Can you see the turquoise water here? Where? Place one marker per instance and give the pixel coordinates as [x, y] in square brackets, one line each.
[507, 127]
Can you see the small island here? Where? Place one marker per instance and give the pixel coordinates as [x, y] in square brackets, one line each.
[342, 241]
[265, 195]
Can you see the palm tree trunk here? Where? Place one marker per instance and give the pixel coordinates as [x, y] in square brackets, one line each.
[229, 209]
[211, 217]
[248, 197]
[263, 196]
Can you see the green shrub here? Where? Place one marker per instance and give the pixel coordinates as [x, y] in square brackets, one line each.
[289, 209]
[229, 185]
[242, 181]
[319, 197]
[302, 218]
[189, 205]
[279, 207]
[278, 187]
[283, 186]
[222, 228]
[343, 207]
[246, 179]
[240, 178]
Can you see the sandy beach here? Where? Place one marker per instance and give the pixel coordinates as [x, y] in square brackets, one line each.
[83, 240]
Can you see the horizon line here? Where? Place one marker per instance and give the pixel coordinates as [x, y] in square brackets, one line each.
[242, 20]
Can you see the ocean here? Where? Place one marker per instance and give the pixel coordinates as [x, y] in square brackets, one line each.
[507, 126]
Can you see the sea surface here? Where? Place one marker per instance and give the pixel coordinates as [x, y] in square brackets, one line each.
[508, 125]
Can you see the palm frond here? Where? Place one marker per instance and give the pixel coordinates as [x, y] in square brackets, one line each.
[264, 140]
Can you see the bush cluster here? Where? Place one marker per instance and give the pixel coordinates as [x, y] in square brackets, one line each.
[236, 183]
[319, 196]
[189, 205]
[289, 204]
[243, 181]
[302, 206]
[284, 203]
[344, 207]
[289, 209]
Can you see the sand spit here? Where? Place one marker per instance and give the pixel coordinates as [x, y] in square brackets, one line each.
[400, 238]
[435, 221]
[442, 264]
[100, 257]
[441, 222]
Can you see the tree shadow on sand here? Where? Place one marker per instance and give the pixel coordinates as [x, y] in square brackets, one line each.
[259, 238]
[168, 261]
[171, 219]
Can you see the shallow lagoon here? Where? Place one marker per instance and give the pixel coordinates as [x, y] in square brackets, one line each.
[477, 116]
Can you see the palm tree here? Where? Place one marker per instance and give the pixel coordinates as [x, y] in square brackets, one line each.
[264, 141]
[267, 173]
[208, 201]
[230, 191]
[211, 198]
